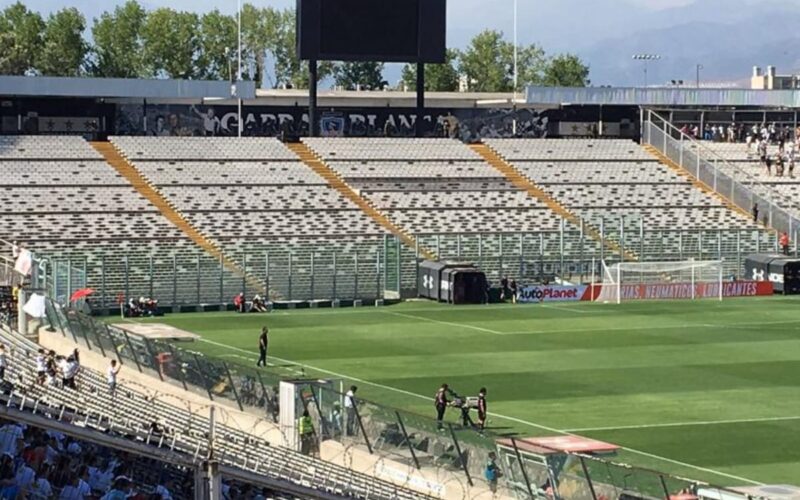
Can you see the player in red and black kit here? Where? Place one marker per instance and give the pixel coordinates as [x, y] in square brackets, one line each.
[482, 409]
[440, 401]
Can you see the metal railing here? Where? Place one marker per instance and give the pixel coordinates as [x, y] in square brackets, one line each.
[703, 164]
[179, 281]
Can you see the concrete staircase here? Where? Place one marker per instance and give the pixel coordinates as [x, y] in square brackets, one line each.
[523, 182]
[697, 183]
[334, 180]
[170, 212]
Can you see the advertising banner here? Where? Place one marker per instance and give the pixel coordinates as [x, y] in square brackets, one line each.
[546, 293]
[665, 291]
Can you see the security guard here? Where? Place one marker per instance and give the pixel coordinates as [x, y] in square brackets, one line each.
[305, 428]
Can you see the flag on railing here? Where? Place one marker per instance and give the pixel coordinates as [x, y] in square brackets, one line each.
[24, 262]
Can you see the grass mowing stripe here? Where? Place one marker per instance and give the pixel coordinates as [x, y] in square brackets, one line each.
[737, 326]
[446, 323]
[504, 417]
[687, 424]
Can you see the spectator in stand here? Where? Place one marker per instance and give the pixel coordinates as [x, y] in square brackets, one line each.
[69, 370]
[768, 164]
[350, 411]
[11, 439]
[3, 362]
[708, 135]
[111, 375]
[440, 402]
[41, 366]
[482, 409]
[492, 472]
[784, 243]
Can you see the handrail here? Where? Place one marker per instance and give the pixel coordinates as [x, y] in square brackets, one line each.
[719, 158]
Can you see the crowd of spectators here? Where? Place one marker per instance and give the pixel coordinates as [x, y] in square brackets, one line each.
[41, 464]
[8, 304]
[741, 133]
[758, 138]
[143, 307]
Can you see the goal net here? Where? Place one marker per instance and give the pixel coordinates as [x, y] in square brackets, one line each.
[687, 280]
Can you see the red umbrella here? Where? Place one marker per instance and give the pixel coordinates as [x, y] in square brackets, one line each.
[79, 294]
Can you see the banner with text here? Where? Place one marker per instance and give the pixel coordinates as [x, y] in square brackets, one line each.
[545, 293]
[666, 291]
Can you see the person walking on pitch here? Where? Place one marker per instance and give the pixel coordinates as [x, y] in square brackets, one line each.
[263, 343]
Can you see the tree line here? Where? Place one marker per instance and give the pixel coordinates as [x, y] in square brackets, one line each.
[131, 42]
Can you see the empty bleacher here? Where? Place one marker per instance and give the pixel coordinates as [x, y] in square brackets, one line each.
[575, 177]
[616, 184]
[259, 202]
[436, 188]
[64, 202]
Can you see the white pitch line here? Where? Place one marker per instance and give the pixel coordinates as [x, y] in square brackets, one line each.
[447, 323]
[738, 326]
[570, 309]
[687, 424]
[497, 415]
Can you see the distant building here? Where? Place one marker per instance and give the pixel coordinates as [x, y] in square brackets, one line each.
[772, 81]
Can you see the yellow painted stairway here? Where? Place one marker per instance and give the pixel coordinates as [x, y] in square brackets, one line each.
[521, 181]
[334, 180]
[143, 187]
[702, 186]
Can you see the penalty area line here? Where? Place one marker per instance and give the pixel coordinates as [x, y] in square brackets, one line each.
[688, 424]
[252, 356]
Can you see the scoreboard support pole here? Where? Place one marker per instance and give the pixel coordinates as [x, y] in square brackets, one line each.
[420, 99]
[313, 129]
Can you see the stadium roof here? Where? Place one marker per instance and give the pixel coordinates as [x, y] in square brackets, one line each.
[662, 97]
[391, 98]
[41, 86]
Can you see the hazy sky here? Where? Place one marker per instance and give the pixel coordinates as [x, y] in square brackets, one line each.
[605, 33]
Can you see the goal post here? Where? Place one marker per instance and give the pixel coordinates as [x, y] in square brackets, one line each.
[690, 280]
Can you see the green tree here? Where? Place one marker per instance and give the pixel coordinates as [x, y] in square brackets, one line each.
[118, 42]
[171, 43]
[289, 70]
[20, 39]
[566, 70]
[259, 34]
[218, 45]
[64, 49]
[531, 65]
[438, 77]
[362, 75]
[488, 64]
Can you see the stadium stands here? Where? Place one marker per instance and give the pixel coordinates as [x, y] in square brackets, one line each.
[438, 187]
[743, 163]
[64, 202]
[256, 199]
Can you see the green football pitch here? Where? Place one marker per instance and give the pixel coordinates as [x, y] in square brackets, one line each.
[707, 390]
